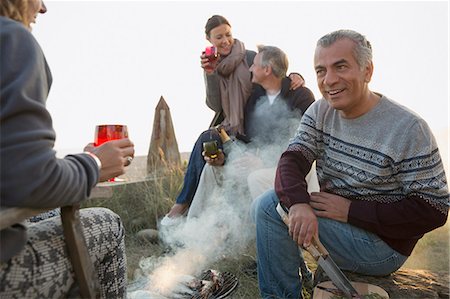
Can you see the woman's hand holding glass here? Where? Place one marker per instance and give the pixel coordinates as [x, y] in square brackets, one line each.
[114, 150]
[206, 63]
[114, 156]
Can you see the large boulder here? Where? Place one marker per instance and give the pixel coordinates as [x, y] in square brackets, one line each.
[163, 153]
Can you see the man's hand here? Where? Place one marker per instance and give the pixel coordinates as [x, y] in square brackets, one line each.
[297, 81]
[330, 206]
[303, 224]
[217, 161]
[114, 156]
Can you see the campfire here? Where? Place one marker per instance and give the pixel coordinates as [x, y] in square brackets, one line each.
[211, 284]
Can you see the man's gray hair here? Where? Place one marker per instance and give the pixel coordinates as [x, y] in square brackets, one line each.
[362, 50]
[275, 58]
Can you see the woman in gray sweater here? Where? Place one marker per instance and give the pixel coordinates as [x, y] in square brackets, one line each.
[34, 258]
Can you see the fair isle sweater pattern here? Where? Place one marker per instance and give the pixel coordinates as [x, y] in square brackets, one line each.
[372, 164]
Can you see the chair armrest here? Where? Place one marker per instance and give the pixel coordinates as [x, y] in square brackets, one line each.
[85, 274]
[12, 215]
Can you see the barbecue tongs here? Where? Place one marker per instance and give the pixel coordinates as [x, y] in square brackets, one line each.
[320, 254]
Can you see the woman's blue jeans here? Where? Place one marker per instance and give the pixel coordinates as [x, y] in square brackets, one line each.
[279, 258]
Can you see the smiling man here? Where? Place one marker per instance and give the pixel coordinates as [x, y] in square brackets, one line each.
[382, 181]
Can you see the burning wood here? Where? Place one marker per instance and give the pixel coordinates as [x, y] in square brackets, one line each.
[166, 282]
[210, 285]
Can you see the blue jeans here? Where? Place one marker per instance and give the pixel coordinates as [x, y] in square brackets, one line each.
[279, 258]
[195, 167]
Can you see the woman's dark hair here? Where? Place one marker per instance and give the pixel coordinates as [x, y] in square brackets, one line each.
[213, 22]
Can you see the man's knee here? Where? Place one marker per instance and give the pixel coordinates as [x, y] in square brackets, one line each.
[102, 214]
[261, 204]
[261, 180]
[108, 220]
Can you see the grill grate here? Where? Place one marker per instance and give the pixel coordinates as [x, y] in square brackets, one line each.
[229, 283]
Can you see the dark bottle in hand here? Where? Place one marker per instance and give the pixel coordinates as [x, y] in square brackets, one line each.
[228, 143]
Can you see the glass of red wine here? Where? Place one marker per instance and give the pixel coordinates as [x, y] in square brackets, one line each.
[104, 133]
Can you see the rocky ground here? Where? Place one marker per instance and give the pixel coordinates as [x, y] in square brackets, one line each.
[410, 283]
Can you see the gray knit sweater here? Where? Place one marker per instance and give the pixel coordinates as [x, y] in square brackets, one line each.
[30, 173]
[386, 161]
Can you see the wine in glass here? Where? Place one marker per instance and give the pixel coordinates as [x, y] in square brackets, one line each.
[104, 133]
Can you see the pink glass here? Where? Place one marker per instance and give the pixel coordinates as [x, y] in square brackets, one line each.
[104, 133]
[212, 55]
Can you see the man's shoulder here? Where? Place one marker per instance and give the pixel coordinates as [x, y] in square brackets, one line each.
[250, 53]
[403, 117]
[250, 56]
[303, 91]
[301, 97]
[257, 91]
[396, 107]
[286, 90]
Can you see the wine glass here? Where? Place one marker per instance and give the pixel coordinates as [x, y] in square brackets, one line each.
[104, 133]
[212, 55]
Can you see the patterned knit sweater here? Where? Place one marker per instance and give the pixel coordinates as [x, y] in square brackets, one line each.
[385, 161]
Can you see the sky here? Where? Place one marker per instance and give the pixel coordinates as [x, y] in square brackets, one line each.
[112, 60]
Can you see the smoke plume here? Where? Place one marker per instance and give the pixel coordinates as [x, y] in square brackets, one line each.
[218, 224]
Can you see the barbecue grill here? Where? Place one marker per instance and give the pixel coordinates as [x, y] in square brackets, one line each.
[226, 285]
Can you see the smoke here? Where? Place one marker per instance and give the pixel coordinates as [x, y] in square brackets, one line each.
[221, 228]
[218, 224]
[271, 129]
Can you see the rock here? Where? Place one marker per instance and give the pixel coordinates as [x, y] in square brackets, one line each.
[163, 153]
[149, 235]
[139, 222]
[409, 283]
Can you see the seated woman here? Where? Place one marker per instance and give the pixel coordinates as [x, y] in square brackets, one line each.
[34, 258]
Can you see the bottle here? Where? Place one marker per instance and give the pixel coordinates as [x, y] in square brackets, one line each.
[228, 143]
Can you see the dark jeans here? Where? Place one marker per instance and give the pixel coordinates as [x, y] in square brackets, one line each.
[195, 167]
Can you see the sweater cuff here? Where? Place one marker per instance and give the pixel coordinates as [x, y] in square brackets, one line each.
[300, 197]
[96, 159]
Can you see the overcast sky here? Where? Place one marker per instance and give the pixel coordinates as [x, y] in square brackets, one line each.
[112, 60]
